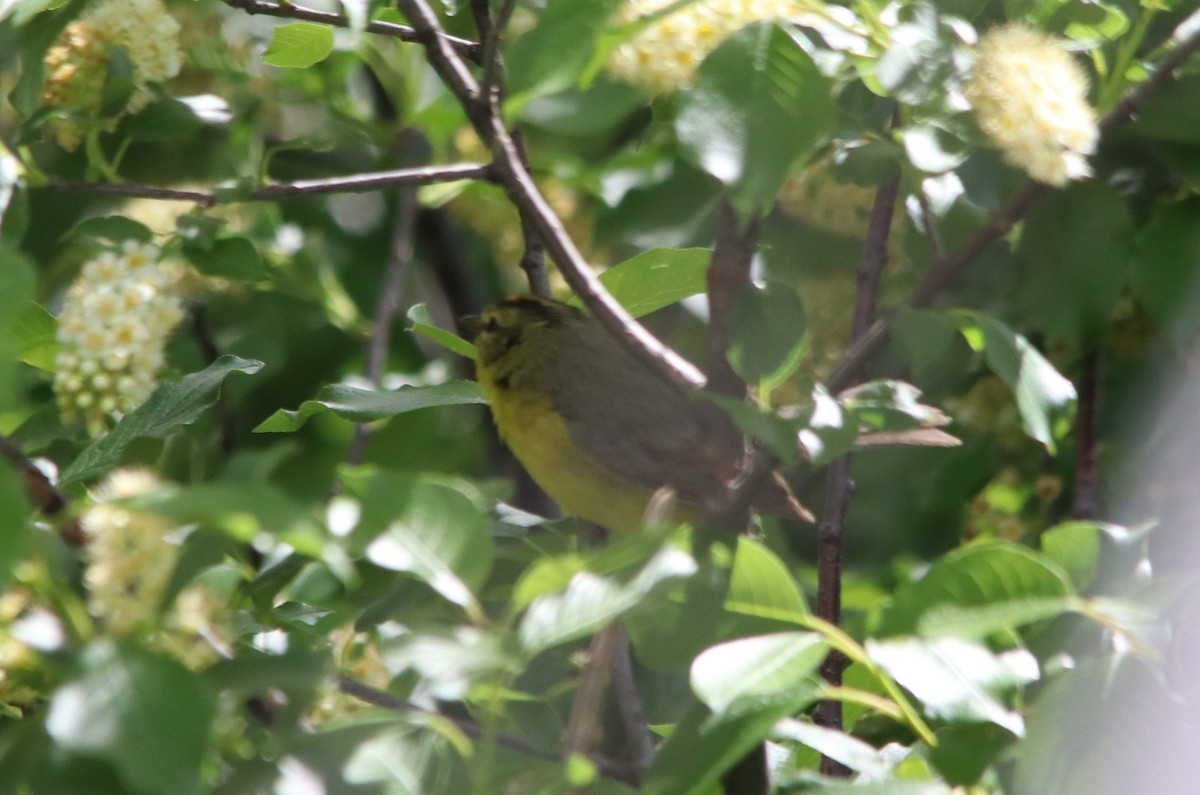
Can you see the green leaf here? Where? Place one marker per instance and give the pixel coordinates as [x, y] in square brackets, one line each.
[450, 661]
[114, 228]
[1076, 547]
[553, 55]
[966, 750]
[766, 334]
[1173, 112]
[980, 621]
[16, 530]
[981, 575]
[422, 324]
[366, 405]
[1166, 266]
[957, 680]
[231, 257]
[299, 45]
[12, 186]
[828, 431]
[33, 334]
[1045, 398]
[759, 105]
[164, 120]
[852, 752]
[750, 673]
[590, 602]
[147, 716]
[761, 585]
[36, 38]
[172, 405]
[432, 527]
[1074, 254]
[647, 282]
[702, 748]
[119, 83]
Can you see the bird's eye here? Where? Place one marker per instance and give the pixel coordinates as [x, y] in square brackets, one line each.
[490, 324]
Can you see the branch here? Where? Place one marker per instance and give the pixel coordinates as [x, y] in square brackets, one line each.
[609, 768]
[511, 173]
[42, 493]
[840, 483]
[355, 183]
[1086, 501]
[469, 49]
[949, 267]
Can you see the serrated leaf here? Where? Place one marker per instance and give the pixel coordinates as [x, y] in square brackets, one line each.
[147, 716]
[981, 575]
[172, 405]
[299, 45]
[957, 680]
[590, 602]
[367, 405]
[750, 673]
[758, 106]
[1045, 398]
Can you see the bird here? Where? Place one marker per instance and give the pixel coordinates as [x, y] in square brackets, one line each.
[598, 429]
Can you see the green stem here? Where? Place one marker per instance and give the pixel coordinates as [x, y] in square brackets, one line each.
[1117, 81]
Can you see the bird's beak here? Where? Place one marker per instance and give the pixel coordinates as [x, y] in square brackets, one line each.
[470, 326]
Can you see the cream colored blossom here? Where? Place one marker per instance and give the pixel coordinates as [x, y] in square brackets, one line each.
[130, 555]
[1030, 97]
[664, 55]
[114, 323]
[355, 655]
[815, 197]
[198, 629]
[77, 63]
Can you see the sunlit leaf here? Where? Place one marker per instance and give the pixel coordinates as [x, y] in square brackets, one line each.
[367, 405]
[753, 672]
[299, 45]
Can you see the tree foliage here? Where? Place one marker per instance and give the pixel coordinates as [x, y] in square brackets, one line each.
[303, 562]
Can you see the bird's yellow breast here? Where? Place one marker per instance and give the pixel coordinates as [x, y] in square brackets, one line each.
[541, 441]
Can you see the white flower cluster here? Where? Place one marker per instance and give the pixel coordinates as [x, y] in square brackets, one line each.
[77, 63]
[112, 330]
[130, 555]
[1030, 98]
[664, 55]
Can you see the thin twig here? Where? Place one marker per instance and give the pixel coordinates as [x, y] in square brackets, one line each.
[609, 768]
[840, 483]
[583, 730]
[1086, 501]
[510, 172]
[629, 704]
[355, 183]
[387, 306]
[469, 49]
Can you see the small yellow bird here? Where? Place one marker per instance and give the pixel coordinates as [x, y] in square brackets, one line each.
[596, 428]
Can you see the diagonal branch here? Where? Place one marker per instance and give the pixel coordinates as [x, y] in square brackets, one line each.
[512, 174]
[286, 10]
